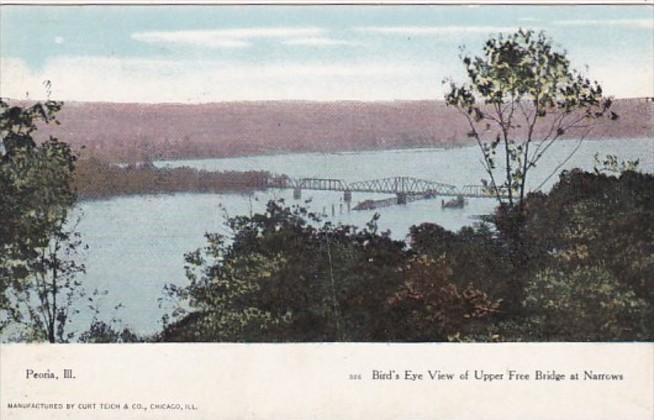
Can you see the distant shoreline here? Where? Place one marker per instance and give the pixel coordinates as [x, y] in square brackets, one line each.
[98, 180]
[335, 152]
[117, 132]
[353, 152]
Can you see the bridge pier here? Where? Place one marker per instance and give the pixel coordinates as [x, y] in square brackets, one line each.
[297, 193]
[347, 197]
[401, 198]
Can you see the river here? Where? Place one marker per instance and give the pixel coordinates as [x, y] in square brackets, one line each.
[136, 244]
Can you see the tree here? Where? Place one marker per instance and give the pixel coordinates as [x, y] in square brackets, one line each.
[597, 220]
[584, 304]
[285, 275]
[430, 307]
[468, 252]
[521, 97]
[38, 246]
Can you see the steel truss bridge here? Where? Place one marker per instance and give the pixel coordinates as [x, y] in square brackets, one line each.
[402, 186]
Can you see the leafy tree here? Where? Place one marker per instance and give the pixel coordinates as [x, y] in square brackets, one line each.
[430, 307]
[591, 220]
[18, 157]
[522, 95]
[468, 252]
[38, 246]
[286, 276]
[584, 304]
[592, 264]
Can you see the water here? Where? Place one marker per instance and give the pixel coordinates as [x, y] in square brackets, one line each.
[136, 244]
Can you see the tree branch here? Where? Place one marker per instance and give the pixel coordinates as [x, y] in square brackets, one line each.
[578, 145]
[487, 165]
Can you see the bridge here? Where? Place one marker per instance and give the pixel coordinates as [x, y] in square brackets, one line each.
[401, 186]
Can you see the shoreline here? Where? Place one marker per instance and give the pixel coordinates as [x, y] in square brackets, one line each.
[418, 149]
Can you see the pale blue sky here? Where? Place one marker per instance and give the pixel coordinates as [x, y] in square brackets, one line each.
[209, 53]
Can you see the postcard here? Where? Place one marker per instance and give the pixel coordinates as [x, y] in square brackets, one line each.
[296, 210]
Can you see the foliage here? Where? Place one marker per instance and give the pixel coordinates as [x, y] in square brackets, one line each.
[22, 204]
[283, 276]
[611, 165]
[522, 96]
[37, 245]
[592, 246]
[589, 247]
[429, 307]
[598, 220]
[102, 332]
[287, 276]
[584, 304]
[469, 252]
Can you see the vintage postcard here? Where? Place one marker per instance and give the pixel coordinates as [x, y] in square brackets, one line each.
[398, 211]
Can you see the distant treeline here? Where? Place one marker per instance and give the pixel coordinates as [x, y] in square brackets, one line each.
[99, 179]
[136, 132]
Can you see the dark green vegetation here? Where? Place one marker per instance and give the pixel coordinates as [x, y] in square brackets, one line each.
[98, 179]
[38, 243]
[588, 274]
[283, 279]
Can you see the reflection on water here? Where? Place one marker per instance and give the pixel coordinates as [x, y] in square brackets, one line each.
[136, 244]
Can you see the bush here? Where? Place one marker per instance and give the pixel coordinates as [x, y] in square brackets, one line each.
[585, 304]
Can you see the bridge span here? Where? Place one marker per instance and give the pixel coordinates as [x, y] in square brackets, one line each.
[401, 186]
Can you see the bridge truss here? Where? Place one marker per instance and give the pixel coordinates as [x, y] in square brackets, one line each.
[400, 185]
[403, 185]
[481, 191]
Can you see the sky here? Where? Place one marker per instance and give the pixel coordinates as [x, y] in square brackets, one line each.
[195, 54]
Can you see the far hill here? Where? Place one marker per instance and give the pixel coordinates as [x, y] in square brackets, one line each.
[129, 132]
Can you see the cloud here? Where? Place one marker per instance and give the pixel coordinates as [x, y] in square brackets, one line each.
[59, 40]
[190, 81]
[115, 79]
[194, 39]
[319, 42]
[433, 30]
[630, 23]
[224, 38]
